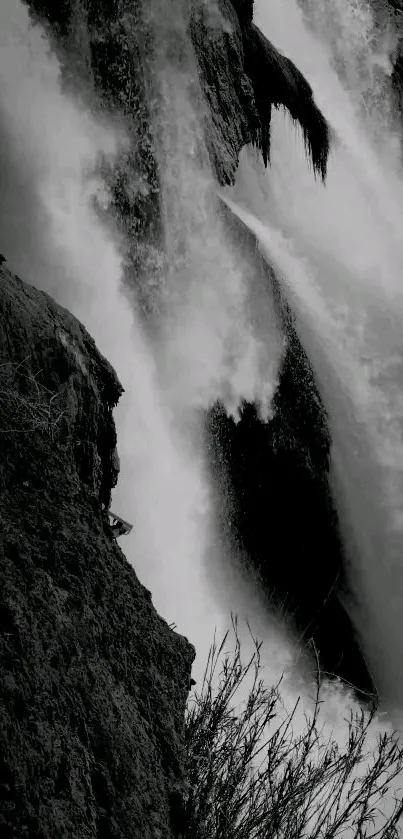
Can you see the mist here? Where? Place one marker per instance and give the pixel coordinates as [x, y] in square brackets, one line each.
[339, 254]
[211, 347]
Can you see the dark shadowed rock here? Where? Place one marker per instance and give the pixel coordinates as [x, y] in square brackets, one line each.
[274, 502]
[244, 10]
[277, 82]
[233, 119]
[243, 77]
[93, 682]
[278, 510]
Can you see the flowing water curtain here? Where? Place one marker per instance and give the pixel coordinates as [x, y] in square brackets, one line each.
[364, 50]
[206, 293]
[346, 239]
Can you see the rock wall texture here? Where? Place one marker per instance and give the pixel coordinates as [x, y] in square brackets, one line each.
[93, 682]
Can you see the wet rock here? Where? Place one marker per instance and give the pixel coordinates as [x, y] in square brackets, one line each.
[93, 683]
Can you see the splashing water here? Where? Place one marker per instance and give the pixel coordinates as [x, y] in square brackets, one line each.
[212, 348]
[339, 253]
[210, 345]
[359, 51]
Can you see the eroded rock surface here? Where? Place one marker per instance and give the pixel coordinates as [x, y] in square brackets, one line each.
[93, 682]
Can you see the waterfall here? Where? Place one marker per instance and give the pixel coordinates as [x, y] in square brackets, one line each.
[218, 335]
[207, 347]
[339, 253]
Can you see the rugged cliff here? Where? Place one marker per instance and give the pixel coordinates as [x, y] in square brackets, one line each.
[93, 682]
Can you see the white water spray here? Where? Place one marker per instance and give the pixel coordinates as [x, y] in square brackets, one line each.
[339, 252]
[52, 237]
[211, 346]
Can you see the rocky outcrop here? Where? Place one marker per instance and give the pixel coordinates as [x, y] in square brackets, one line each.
[244, 76]
[233, 119]
[93, 682]
[277, 82]
[274, 502]
[278, 510]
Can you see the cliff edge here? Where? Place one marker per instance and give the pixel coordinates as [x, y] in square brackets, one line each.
[93, 682]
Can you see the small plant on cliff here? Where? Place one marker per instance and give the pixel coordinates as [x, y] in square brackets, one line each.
[252, 776]
[26, 405]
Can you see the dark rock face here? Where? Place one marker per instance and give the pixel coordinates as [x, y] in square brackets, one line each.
[93, 682]
[273, 498]
[244, 10]
[279, 511]
[243, 76]
[233, 119]
[277, 82]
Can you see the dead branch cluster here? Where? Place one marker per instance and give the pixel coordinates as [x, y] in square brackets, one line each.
[26, 404]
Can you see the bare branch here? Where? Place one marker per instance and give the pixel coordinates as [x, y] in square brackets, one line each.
[245, 782]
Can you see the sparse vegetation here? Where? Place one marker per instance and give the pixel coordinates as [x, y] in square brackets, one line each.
[252, 775]
[26, 405]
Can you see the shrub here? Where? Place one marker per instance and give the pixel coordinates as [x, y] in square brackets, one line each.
[26, 405]
[251, 776]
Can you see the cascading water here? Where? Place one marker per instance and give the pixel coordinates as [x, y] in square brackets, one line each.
[219, 336]
[338, 251]
[206, 346]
